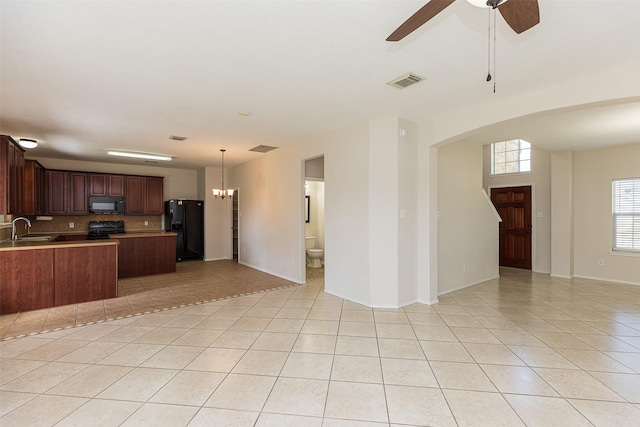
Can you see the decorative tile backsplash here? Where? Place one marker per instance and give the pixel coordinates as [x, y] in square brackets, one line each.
[60, 224]
[5, 232]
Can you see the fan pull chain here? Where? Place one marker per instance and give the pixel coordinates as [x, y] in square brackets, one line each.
[489, 76]
[489, 46]
[494, 50]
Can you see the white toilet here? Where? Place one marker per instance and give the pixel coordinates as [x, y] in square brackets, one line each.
[314, 256]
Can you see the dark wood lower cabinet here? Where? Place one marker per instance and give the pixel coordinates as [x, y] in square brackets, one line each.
[27, 280]
[85, 274]
[146, 255]
[32, 279]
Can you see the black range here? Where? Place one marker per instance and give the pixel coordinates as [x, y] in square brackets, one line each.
[102, 229]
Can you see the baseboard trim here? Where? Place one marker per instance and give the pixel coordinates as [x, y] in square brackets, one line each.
[264, 270]
[604, 279]
[216, 259]
[448, 291]
[559, 276]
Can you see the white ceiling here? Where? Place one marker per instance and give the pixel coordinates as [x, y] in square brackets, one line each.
[86, 76]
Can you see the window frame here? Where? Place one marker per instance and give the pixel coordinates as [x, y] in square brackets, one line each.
[626, 209]
[520, 151]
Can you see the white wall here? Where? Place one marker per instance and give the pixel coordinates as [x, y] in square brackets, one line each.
[271, 211]
[427, 230]
[409, 214]
[593, 172]
[540, 181]
[562, 214]
[610, 84]
[383, 211]
[467, 226]
[370, 174]
[177, 182]
[217, 217]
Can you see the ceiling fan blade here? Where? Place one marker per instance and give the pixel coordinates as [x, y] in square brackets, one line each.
[425, 13]
[520, 14]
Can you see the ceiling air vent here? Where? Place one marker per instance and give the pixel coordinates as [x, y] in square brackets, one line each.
[405, 80]
[177, 138]
[262, 149]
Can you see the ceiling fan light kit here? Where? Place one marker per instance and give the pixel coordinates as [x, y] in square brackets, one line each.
[478, 3]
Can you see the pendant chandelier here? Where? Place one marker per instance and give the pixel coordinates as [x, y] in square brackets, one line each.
[223, 192]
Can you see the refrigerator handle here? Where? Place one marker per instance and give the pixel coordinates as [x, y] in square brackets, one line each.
[185, 225]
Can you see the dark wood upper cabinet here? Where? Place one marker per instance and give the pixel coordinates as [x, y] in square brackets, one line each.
[154, 196]
[34, 196]
[103, 184]
[135, 195]
[67, 193]
[11, 176]
[57, 192]
[116, 185]
[78, 203]
[144, 195]
[98, 184]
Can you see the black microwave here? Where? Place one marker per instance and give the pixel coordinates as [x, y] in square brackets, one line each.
[106, 205]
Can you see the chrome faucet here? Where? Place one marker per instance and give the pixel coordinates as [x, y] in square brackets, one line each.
[14, 235]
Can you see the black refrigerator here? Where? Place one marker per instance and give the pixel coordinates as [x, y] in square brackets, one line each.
[186, 218]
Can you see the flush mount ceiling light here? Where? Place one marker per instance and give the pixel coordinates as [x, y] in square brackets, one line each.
[222, 193]
[28, 143]
[140, 155]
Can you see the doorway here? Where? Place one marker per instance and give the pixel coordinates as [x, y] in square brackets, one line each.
[313, 226]
[234, 225]
[514, 206]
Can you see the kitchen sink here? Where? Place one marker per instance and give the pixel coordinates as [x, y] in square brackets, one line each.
[34, 238]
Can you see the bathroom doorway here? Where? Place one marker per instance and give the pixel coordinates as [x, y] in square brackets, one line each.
[314, 219]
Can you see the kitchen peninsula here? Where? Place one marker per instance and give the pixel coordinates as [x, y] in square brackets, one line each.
[63, 270]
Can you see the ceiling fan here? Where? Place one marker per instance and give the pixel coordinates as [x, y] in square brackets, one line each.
[519, 14]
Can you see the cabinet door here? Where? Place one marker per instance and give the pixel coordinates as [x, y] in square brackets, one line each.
[33, 202]
[135, 195]
[78, 204]
[17, 180]
[98, 184]
[57, 194]
[4, 174]
[154, 199]
[11, 179]
[40, 190]
[116, 185]
[27, 280]
[84, 274]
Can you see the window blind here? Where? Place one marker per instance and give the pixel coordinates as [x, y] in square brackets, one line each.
[626, 214]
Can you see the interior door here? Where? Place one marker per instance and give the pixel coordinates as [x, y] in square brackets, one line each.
[514, 206]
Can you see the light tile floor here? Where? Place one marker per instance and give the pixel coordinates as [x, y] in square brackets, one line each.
[525, 349]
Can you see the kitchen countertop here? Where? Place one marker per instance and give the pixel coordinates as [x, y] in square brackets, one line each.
[130, 234]
[8, 245]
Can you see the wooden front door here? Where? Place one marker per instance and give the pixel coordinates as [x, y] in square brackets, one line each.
[514, 206]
